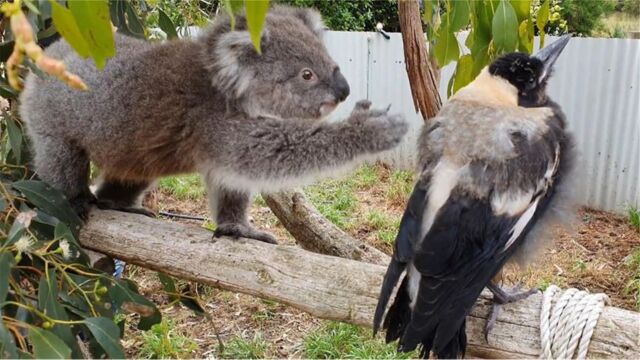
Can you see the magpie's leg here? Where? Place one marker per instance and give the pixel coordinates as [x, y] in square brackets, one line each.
[501, 297]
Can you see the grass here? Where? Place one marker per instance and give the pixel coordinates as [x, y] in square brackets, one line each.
[163, 341]
[335, 200]
[623, 21]
[400, 185]
[241, 348]
[185, 187]
[633, 286]
[386, 227]
[337, 340]
[634, 217]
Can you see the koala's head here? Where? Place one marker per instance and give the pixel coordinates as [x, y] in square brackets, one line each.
[294, 77]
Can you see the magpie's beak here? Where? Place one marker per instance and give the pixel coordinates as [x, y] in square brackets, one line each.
[549, 54]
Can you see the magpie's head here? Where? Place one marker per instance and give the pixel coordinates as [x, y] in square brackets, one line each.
[529, 74]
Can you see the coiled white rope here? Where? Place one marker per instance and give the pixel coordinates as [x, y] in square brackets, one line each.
[570, 323]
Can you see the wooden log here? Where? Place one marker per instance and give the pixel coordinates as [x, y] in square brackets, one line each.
[314, 232]
[325, 286]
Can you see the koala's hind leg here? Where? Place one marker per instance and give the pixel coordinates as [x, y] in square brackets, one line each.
[230, 207]
[123, 195]
[65, 167]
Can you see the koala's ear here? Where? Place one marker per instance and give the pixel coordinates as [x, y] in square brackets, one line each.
[310, 17]
[313, 20]
[229, 57]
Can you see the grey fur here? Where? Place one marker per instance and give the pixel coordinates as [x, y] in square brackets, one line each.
[246, 122]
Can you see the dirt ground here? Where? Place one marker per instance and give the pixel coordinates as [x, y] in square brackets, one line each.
[593, 256]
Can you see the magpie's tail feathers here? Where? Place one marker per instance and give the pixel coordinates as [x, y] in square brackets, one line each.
[390, 282]
[399, 314]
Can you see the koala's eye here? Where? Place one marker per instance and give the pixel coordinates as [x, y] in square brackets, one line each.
[531, 80]
[307, 74]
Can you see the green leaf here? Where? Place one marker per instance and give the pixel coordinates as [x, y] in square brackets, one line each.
[525, 33]
[460, 17]
[94, 23]
[8, 349]
[6, 91]
[446, 47]
[256, 15]
[233, 7]
[31, 7]
[107, 334]
[167, 25]
[542, 20]
[49, 304]
[123, 293]
[134, 24]
[543, 15]
[46, 345]
[51, 201]
[6, 263]
[522, 8]
[505, 28]
[480, 60]
[427, 14]
[15, 138]
[66, 24]
[463, 73]
[168, 285]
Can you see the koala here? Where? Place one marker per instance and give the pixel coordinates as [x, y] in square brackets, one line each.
[247, 122]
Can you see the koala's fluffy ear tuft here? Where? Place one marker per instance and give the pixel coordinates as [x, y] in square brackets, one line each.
[224, 58]
[310, 17]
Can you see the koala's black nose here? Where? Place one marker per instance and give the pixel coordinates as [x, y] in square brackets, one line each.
[340, 85]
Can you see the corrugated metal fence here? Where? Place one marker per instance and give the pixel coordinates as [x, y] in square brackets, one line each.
[597, 83]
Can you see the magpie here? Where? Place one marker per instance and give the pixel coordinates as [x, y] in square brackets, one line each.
[491, 165]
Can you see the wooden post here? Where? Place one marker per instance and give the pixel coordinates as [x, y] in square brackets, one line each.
[325, 286]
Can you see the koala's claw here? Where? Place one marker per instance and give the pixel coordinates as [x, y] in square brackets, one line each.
[82, 204]
[236, 230]
[105, 204]
[362, 105]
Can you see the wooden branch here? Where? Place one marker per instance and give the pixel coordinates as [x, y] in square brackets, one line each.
[422, 77]
[315, 233]
[325, 286]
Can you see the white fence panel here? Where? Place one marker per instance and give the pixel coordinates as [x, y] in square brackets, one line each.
[597, 83]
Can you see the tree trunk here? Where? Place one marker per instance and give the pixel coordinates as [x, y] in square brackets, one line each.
[325, 286]
[422, 77]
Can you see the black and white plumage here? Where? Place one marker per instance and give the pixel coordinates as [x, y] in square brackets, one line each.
[491, 165]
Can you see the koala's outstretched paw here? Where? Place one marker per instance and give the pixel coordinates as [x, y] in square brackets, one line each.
[104, 204]
[82, 204]
[236, 230]
[379, 130]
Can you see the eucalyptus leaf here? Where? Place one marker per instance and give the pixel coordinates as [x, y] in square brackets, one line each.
[15, 138]
[460, 17]
[505, 28]
[8, 349]
[68, 28]
[124, 294]
[446, 48]
[134, 24]
[256, 14]
[233, 7]
[49, 304]
[6, 263]
[93, 21]
[542, 20]
[167, 25]
[522, 8]
[6, 91]
[464, 69]
[107, 334]
[51, 201]
[525, 33]
[46, 345]
[169, 285]
[543, 15]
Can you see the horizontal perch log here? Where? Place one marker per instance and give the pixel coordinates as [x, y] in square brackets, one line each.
[325, 286]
